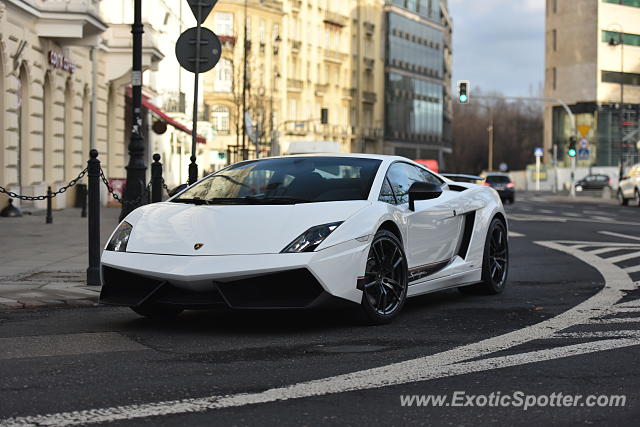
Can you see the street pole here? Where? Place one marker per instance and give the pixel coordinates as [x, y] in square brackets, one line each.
[136, 169]
[621, 173]
[193, 167]
[490, 129]
[573, 177]
[244, 87]
[555, 168]
[537, 173]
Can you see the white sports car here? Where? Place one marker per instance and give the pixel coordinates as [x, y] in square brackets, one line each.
[297, 232]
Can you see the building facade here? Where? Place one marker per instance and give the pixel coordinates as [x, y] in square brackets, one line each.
[418, 101]
[591, 63]
[315, 75]
[51, 52]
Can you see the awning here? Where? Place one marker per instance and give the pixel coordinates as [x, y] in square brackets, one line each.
[164, 116]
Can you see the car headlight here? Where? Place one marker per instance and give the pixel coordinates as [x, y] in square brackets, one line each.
[118, 242]
[311, 239]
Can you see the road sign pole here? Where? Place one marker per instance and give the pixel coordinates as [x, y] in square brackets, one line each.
[573, 177]
[193, 167]
[537, 173]
[555, 168]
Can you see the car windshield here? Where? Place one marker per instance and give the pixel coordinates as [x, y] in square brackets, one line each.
[498, 179]
[286, 181]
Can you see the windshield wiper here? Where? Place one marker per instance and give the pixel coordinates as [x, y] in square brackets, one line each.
[278, 200]
[192, 201]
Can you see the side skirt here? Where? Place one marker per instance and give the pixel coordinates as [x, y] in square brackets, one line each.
[452, 281]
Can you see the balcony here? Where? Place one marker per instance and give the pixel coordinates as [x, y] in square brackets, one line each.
[349, 93]
[70, 20]
[321, 89]
[120, 44]
[227, 41]
[369, 97]
[337, 19]
[296, 5]
[369, 28]
[296, 45]
[331, 55]
[295, 85]
[369, 63]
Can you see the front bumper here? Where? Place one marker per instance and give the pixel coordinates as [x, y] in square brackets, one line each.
[237, 281]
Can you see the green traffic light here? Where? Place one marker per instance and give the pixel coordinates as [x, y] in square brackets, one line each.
[464, 98]
[572, 152]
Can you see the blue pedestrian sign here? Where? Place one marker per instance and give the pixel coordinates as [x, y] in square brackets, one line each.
[538, 152]
[584, 154]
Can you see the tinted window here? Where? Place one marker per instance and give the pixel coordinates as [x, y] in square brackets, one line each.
[315, 179]
[498, 179]
[402, 176]
[429, 177]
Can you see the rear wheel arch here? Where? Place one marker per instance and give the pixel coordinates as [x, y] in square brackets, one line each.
[501, 217]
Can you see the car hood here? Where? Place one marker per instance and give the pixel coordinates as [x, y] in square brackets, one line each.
[175, 228]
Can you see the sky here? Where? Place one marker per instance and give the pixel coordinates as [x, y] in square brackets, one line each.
[498, 45]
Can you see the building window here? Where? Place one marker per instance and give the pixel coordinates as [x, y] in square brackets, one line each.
[555, 6]
[628, 39]
[632, 79]
[554, 39]
[223, 24]
[554, 77]
[632, 3]
[223, 76]
[293, 109]
[220, 119]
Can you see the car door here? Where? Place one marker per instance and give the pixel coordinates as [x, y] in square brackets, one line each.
[433, 229]
[627, 185]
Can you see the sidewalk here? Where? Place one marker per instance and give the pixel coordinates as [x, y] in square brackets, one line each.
[45, 264]
[564, 197]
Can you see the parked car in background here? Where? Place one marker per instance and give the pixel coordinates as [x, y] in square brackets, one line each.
[629, 188]
[502, 184]
[593, 182]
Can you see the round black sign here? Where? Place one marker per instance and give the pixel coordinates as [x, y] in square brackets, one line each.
[210, 49]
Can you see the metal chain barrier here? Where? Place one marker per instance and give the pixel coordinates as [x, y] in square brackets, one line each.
[53, 194]
[118, 199]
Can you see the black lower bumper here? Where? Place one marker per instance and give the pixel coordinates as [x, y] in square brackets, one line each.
[283, 290]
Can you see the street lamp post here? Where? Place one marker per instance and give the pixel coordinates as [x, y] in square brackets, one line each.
[620, 42]
[276, 75]
[136, 169]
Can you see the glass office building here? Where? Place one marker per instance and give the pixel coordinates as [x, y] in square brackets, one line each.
[417, 101]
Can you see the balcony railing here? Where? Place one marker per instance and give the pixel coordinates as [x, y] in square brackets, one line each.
[295, 84]
[91, 7]
[335, 56]
[321, 89]
[334, 18]
[369, 97]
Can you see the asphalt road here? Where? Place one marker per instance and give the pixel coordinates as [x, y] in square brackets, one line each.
[569, 322]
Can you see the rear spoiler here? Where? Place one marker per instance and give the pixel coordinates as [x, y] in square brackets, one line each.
[462, 177]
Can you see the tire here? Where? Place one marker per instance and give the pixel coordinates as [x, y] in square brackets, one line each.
[495, 262]
[636, 198]
[621, 199]
[512, 200]
[384, 289]
[157, 311]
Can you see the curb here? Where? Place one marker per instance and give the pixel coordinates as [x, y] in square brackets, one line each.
[7, 305]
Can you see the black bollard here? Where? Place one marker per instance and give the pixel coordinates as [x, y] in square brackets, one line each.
[156, 179]
[83, 204]
[49, 219]
[93, 272]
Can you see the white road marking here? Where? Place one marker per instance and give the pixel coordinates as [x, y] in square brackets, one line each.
[601, 334]
[514, 234]
[524, 217]
[65, 345]
[571, 214]
[545, 211]
[311, 389]
[448, 363]
[605, 250]
[633, 269]
[623, 257]
[603, 218]
[623, 236]
[615, 320]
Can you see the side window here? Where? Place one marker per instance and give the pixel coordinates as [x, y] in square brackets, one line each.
[386, 193]
[431, 178]
[402, 176]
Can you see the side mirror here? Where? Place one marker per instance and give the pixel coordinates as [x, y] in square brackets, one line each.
[423, 191]
[178, 189]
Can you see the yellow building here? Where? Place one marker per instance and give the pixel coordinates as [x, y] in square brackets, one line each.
[315, 74]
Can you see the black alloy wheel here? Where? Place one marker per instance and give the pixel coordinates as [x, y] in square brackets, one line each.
[385, 279]
[495, 263]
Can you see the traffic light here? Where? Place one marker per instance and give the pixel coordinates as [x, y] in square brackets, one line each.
[572, 147]
[463, 91]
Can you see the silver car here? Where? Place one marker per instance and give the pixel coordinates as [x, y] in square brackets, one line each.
[629, 188]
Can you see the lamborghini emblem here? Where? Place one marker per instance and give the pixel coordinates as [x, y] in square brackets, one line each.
[198, 246]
